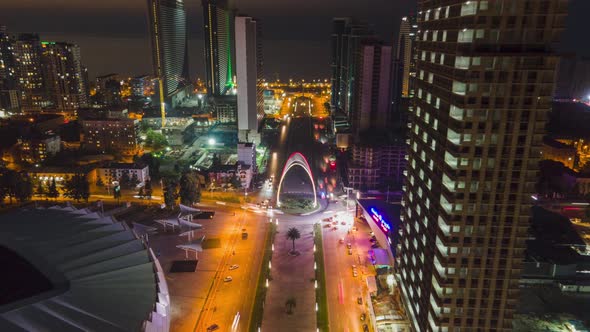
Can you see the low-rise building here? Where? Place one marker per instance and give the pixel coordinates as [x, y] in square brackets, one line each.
[115, 171]
[47, 174]
[111, 135]
[247, 154]
[37, 148]
[557, 151]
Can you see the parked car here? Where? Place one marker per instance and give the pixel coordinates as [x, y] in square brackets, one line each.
[341, 240]
[233, 267]
[359, 300]
[350, 251]
[363, 317]
[365, 328]
[349, 245]
[213, 327]
[228, 279]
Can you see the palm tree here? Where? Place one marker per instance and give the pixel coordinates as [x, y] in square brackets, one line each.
[290, 304]
[293, 234]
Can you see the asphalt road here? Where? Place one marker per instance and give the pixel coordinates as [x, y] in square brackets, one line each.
[343, 288]
[201, 298]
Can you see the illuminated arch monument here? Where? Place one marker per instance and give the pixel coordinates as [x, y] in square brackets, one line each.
[297, 159]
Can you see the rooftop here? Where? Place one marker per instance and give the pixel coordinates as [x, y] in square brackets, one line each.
[84, 272]
[554, 228]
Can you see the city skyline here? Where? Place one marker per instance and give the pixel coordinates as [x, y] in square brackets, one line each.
[407, 165]
[127, 31]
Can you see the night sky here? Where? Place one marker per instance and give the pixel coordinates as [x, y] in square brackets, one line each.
[113, 34]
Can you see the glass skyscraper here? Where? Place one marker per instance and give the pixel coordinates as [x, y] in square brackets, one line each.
[219, 47]
[168, 28]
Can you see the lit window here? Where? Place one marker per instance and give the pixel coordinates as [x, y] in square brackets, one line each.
[465, 36]
[469, 8]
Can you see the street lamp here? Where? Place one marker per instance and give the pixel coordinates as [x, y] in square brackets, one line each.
[211, 141]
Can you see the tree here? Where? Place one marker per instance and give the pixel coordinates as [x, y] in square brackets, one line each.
[235, 182]
[77, 187]
[9, 183]
[155, 140]
[153, 164]
[117, 192]
[293, 234]
[147, 189]
[40, 189]
[134, 181]
[52, 190]
[124, 180]
[190, 189]
[23, 190]
[290, 304]
[99, 182]
[170, 191]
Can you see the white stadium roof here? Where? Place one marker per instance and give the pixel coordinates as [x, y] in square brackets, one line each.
[103, 277]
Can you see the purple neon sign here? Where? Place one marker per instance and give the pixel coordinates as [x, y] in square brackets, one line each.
[380, 221]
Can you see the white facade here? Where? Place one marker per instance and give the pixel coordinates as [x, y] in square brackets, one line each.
[247, 73]
[247, 154]
[115, 171]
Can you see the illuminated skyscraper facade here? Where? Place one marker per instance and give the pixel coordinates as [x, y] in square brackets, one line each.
[484, 81]
[29, 70]
[64, 78]
[168, 29]
[249, 74]
[219, 47]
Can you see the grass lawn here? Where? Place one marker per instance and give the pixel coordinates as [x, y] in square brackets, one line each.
[257, 309]
[320, 293]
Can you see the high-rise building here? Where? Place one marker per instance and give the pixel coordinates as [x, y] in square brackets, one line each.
[29, 70]
[249, 73]
[219, 47]
[404, 68]
[168, 30]
[372, 88]
[9, 93]
[347, 35]
[8, 78]
[485, 76]
[64, 76]
[108, 90]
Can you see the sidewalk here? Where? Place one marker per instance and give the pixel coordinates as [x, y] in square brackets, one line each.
[292, 277]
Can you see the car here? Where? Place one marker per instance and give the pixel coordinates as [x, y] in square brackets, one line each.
[359, 300]
[349, 245]
[372, 240]
[228, 279]
[342, 223]
[350, 251]
[353, 266]
[233, 267]
[354, 229]
[363, 317]
[213, 327]
[354, 273]
[341, 240]
[365, 328]
[374, 245]
[335, 228]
